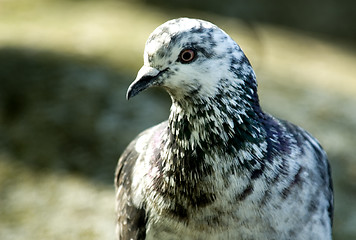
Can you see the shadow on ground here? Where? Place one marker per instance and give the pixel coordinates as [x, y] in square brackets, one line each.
[65, 114]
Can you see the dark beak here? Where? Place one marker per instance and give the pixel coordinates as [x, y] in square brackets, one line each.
[145, 78]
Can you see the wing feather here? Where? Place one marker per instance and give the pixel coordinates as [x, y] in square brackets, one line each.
[131, 221]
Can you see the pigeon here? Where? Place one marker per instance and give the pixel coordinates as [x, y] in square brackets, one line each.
[219, 167]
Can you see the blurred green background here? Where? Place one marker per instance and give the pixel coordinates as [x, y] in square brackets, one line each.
[64, 70]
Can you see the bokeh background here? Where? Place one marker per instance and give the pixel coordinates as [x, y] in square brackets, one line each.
[64, 70]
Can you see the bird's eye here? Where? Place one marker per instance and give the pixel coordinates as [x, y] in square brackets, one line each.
[186, 56]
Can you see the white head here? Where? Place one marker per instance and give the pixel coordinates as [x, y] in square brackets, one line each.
[194, 59]
[212, 85]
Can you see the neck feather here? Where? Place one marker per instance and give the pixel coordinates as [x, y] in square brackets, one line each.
[206, 139]
[203, 132]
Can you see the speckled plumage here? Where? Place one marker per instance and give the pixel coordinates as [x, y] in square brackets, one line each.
[219, 168]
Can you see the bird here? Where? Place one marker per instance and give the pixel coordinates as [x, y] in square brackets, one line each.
[219, 167]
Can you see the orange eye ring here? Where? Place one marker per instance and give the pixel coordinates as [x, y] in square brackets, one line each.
[187, 55]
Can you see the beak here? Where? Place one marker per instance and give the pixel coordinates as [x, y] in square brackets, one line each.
[144, 79]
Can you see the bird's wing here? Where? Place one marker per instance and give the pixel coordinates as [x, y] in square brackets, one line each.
[323, 167]
[132, 219]
[304, 138]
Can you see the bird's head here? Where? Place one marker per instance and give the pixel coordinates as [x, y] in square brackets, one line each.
[194, 59]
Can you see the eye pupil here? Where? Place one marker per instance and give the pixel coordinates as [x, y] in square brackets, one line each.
[187, 55]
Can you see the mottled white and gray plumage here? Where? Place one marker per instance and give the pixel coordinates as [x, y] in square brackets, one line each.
[220, 167]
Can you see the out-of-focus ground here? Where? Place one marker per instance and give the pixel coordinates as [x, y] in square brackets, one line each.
[64, 70]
